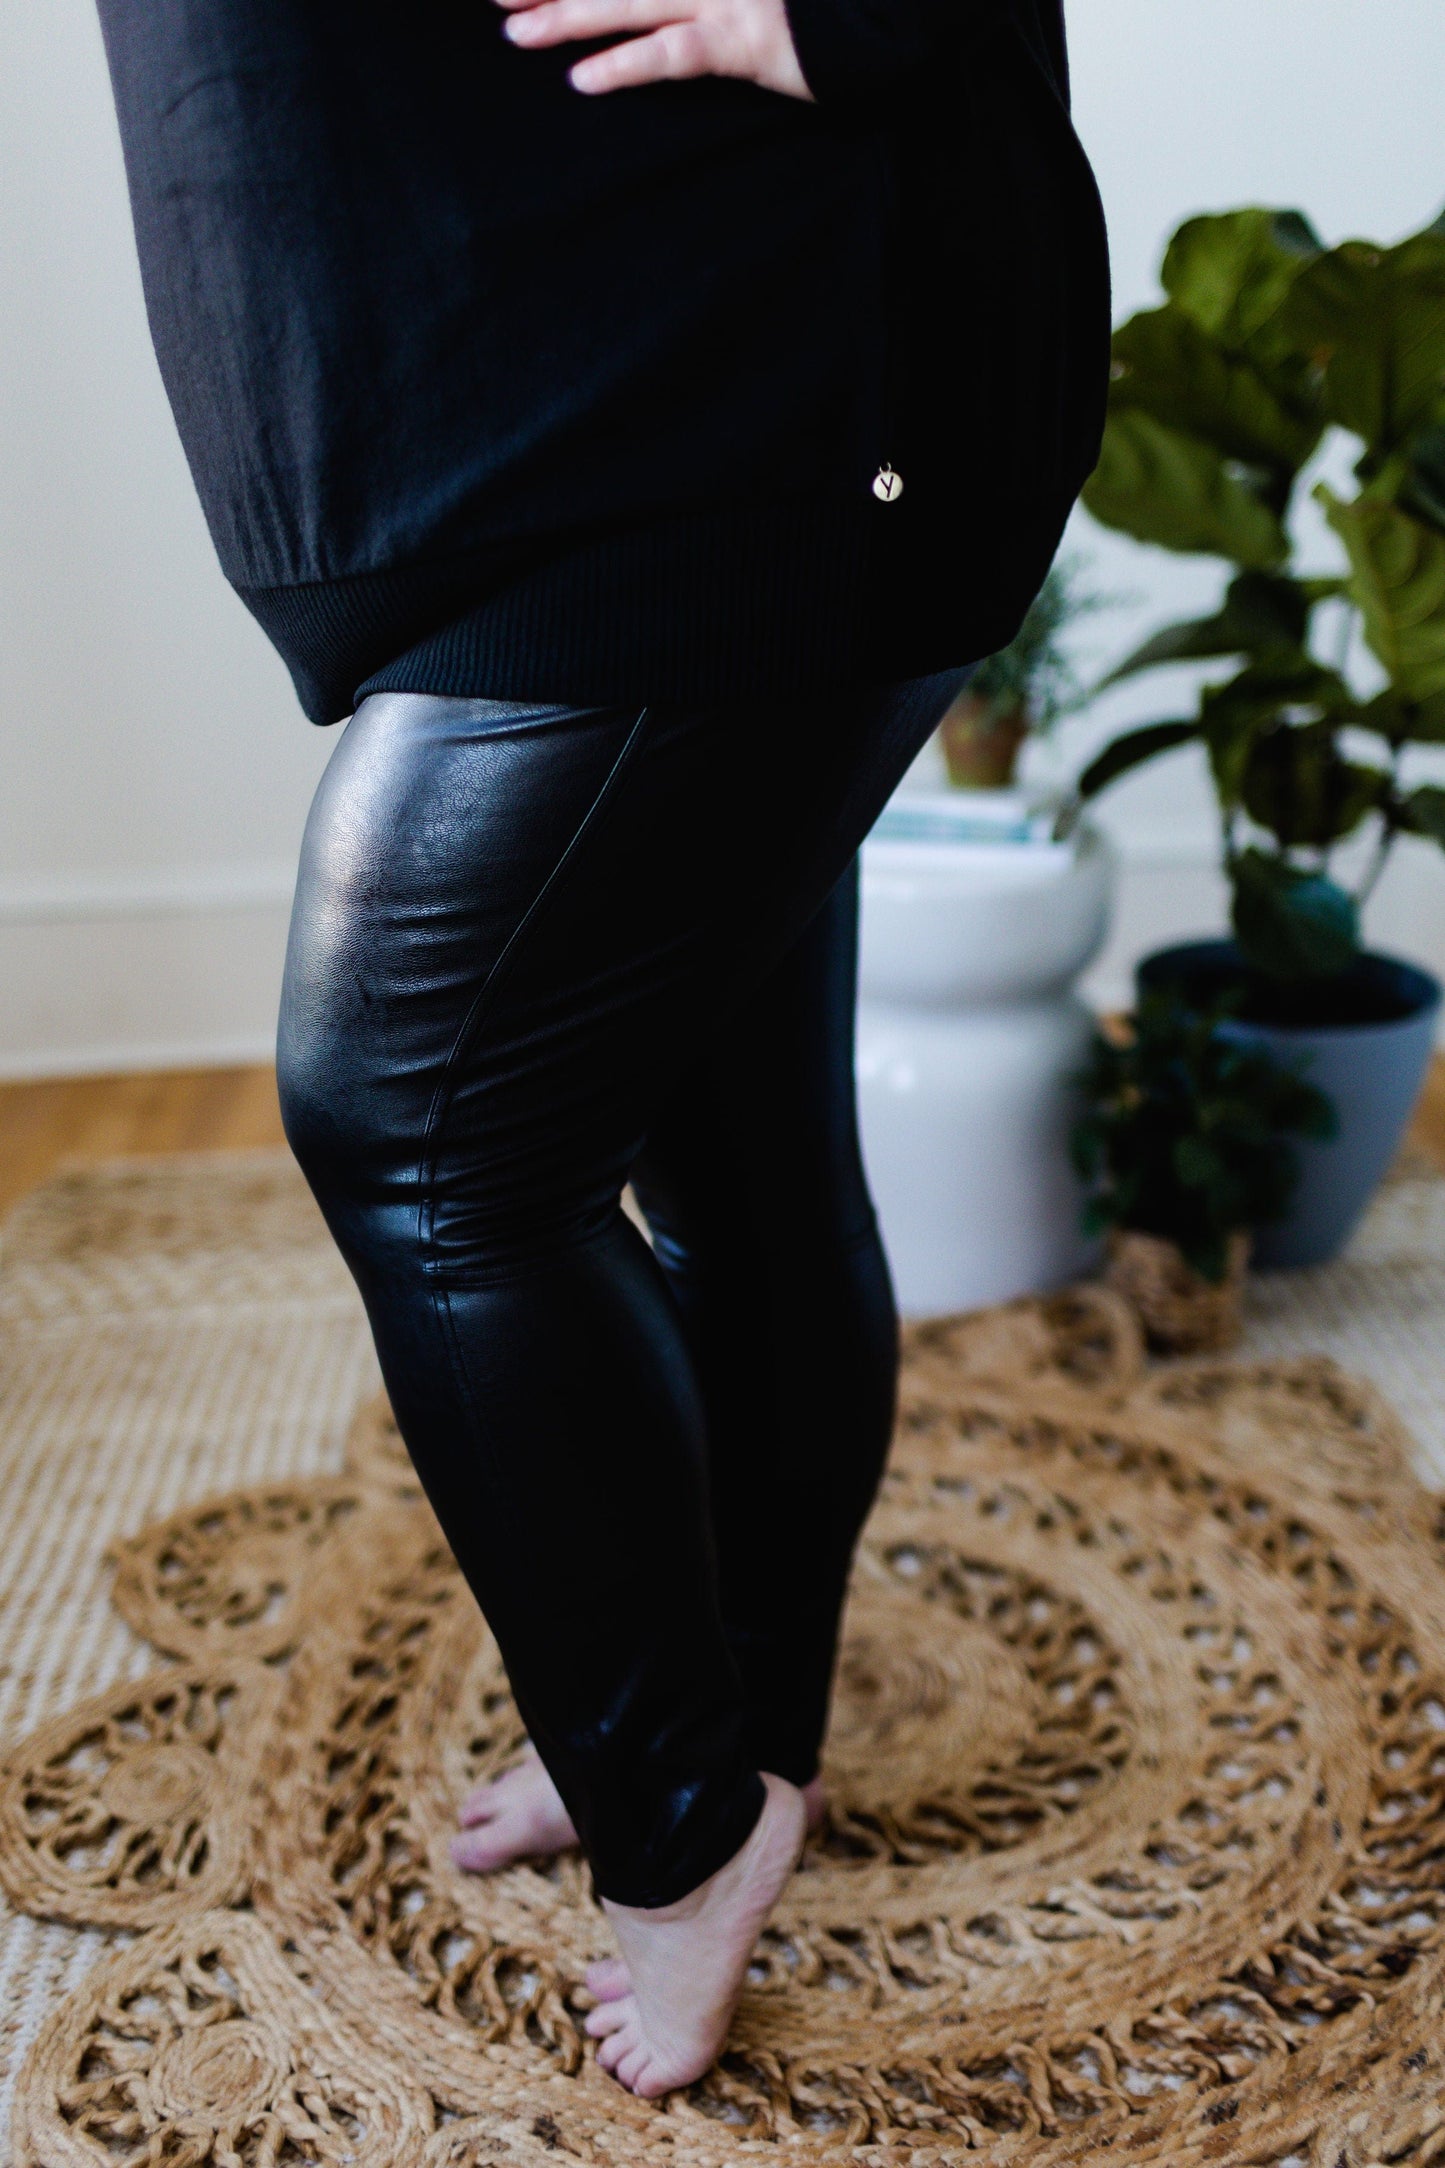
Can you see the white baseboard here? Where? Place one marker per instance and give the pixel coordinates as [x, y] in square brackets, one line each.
[183, 969]
[169, 892]
[131, 1057]
[177, 971]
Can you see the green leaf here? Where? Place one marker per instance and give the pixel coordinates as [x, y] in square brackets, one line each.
[1291, 924]
[1166, 364]
[1208, 1254]
[1195, 639]
[1195, 1163]
[1086, 1150]
[1270, 611]
[1264, 613]
[1161, 486]
[1232, 275]
[1231, 271]
[1331, 589]
[1427, 720]
[1297, 784]
[1131, 751]
[1187, 1128]
[1308, 1111]
[1397, 578]
[1422, 813]
[1098, 1215]
[1279, 691]
[1405, 722]
[1373, 319]
[1423, 491]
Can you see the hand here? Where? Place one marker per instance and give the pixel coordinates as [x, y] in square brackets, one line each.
[666, 40]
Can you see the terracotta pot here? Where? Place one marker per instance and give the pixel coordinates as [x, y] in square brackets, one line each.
[1182, 1313]
[981, 746]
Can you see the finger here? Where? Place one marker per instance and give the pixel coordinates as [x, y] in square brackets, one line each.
[559, 22]
[667, 55]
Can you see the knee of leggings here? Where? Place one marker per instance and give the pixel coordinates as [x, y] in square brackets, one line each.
[493, 1202]
[306, 1117]
[330, 1094]
[360, 1158]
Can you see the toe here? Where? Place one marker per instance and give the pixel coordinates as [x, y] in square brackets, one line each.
[487, 1799]
[611, 2052]
[609, 2017]
[634, 2069]
[484, 1801]
[479, 1850]
[608, 1979]
[478, 1806]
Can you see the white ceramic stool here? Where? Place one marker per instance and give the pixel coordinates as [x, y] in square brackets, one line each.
[975, 927]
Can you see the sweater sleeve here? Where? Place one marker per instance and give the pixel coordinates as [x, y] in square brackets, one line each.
[853, 51]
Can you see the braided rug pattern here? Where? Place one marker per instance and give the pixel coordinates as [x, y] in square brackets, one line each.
[1136, 1846]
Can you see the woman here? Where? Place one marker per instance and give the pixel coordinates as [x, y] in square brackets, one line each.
[641, 442]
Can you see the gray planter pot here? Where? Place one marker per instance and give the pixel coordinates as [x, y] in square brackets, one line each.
[1369, 1057]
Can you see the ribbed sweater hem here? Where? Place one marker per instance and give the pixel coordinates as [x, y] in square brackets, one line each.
[713, 606]
[736, 602]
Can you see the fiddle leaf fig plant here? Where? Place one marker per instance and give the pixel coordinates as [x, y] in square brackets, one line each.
[1220, 399]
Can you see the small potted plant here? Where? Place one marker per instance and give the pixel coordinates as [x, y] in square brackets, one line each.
[1221, 397]
[1023, 689]
[1184, 1145]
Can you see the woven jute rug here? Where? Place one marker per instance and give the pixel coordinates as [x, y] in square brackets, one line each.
[1137, 1840]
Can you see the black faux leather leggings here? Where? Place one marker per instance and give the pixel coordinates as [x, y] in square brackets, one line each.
[538, 951]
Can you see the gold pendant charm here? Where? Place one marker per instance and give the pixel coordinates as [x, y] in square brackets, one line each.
[887, 486]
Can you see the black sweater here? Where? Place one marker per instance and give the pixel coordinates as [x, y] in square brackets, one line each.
[490, 387]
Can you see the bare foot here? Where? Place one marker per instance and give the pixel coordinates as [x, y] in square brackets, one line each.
[519, 1816]
[608, 1979]
[685, 1962]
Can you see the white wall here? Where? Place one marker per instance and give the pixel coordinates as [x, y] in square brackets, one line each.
[155, 768]
[154, 771]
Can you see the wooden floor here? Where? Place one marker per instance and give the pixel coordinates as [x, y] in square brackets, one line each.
[1428, 1130]
[71, 1120]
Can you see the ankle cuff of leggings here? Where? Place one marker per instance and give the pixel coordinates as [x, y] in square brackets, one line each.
[699, 1852]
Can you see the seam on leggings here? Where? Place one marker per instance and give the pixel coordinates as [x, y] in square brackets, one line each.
[441, 1098]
